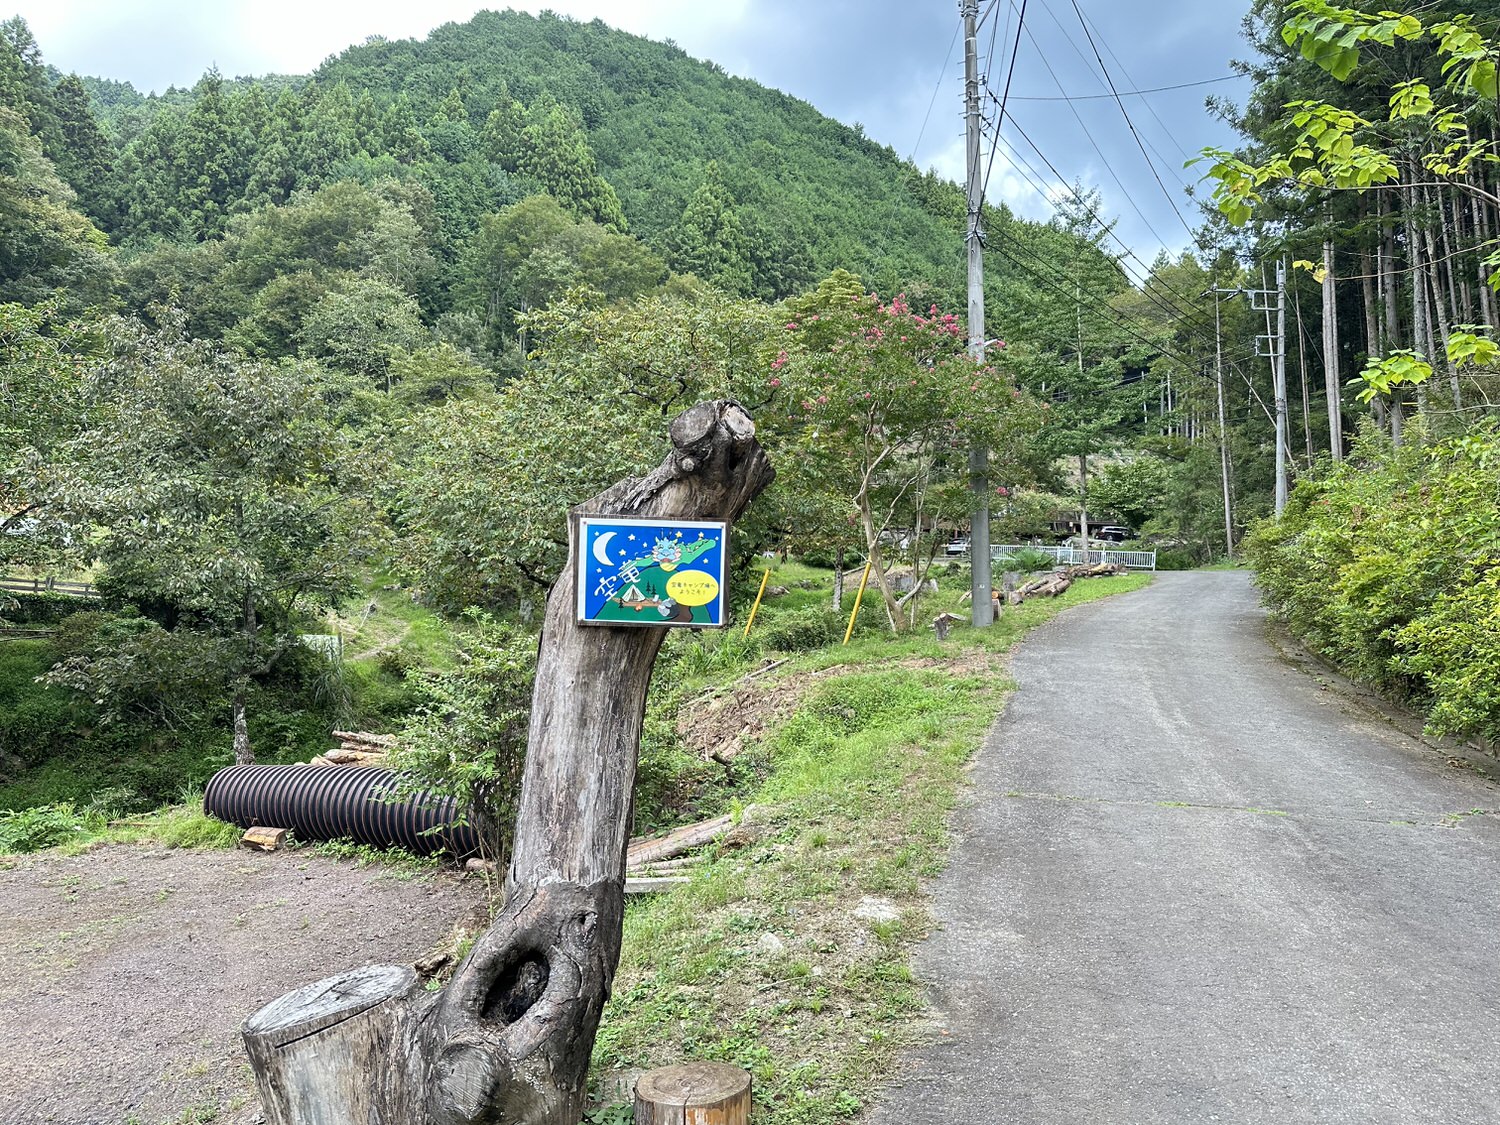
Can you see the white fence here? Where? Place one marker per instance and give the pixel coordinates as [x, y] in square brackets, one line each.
[1074, 556]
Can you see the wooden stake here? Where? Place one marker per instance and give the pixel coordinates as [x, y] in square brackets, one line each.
[762, 593]
[857, 599]
[701, 1093]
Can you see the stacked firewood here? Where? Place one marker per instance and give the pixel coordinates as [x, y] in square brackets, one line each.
[356, 748]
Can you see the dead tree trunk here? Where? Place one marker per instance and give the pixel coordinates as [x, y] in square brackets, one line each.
[509, 1039]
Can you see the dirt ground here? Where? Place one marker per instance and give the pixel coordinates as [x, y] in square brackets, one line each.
[126, 972]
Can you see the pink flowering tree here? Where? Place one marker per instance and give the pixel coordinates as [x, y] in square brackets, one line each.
[881, 404]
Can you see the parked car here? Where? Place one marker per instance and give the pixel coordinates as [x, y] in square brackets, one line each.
[1114, 534]
[956, 547]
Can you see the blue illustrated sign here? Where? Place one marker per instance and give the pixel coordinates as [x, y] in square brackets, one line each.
[651, 572]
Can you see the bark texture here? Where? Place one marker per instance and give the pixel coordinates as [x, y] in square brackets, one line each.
[509, 1039]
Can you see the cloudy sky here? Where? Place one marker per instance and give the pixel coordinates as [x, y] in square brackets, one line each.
[882, 63]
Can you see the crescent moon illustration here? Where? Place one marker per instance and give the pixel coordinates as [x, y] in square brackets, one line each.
[601, 547]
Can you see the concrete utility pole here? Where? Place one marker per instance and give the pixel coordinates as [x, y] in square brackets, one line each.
[1331, 356]
[981, 611]
[1223, 426]
[1278, 368]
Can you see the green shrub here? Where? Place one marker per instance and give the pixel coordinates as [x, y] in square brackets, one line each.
[35, 721]
[1027, 561]
[380, 699]
[823, 559]
[188, 826]
[45, 826]
[800, 630]
[1176, 558]
[39, 609]
[1387, 565]
[712, 653]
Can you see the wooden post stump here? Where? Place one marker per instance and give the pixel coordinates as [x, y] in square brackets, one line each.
[325, 1052]
[693, 1094]
[943, 624]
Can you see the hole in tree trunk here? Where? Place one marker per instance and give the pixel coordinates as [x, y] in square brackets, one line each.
[519, 987]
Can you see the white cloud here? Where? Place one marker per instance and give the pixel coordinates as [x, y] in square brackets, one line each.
[154, 43]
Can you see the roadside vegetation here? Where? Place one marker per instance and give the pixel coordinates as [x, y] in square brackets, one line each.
[1387, 566]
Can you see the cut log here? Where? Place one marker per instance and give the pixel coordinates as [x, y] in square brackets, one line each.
[676, 842]
[654, 884]
[263, 839]
[509, 1039]
[1047, 587]
[321, 760]
[382, 740]
[322, 1053]
[669, 866]
[697, 1093]
[344, 756]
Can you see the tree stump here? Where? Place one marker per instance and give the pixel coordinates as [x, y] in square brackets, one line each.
[693, 1094]
[507, 1042]
[943, 624]
[324, 1052]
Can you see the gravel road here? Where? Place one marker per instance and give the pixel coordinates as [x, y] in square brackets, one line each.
[1196, 882]
[125, 972]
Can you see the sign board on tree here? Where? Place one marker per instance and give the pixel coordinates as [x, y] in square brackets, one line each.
[652, 571]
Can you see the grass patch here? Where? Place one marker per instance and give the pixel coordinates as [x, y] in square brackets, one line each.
[72, 829]
[767, 959]
[385, 620]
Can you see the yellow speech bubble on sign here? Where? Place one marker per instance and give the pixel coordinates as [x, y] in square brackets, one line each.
[692, 587]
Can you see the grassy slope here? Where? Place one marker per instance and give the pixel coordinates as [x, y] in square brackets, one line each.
[861, 781]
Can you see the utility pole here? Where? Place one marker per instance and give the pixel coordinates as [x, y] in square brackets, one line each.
[980, 585]
[1223, 426]
[1331, 356]
[1278, 367]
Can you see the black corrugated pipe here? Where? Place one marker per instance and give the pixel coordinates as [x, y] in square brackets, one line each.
[335, 803]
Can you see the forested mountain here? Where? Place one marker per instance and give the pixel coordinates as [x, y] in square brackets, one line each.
[626, 131]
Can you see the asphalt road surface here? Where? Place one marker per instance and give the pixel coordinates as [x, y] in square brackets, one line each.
[1195, 884]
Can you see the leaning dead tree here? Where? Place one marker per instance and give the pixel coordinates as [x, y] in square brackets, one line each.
[508, 1040]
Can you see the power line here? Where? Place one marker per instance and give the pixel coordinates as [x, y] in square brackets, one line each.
[1149, 107]
[1130, 198]
[1151, 287]
[1089, 35]
[1144, 279]
[1015, 51]
[1122, 93]
[1093, 68]
[1189, 366]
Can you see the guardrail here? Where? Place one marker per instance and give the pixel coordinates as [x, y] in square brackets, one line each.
[47, 586]
[1075, 556]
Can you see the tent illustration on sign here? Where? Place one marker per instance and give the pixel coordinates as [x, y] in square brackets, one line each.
[650, 572]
